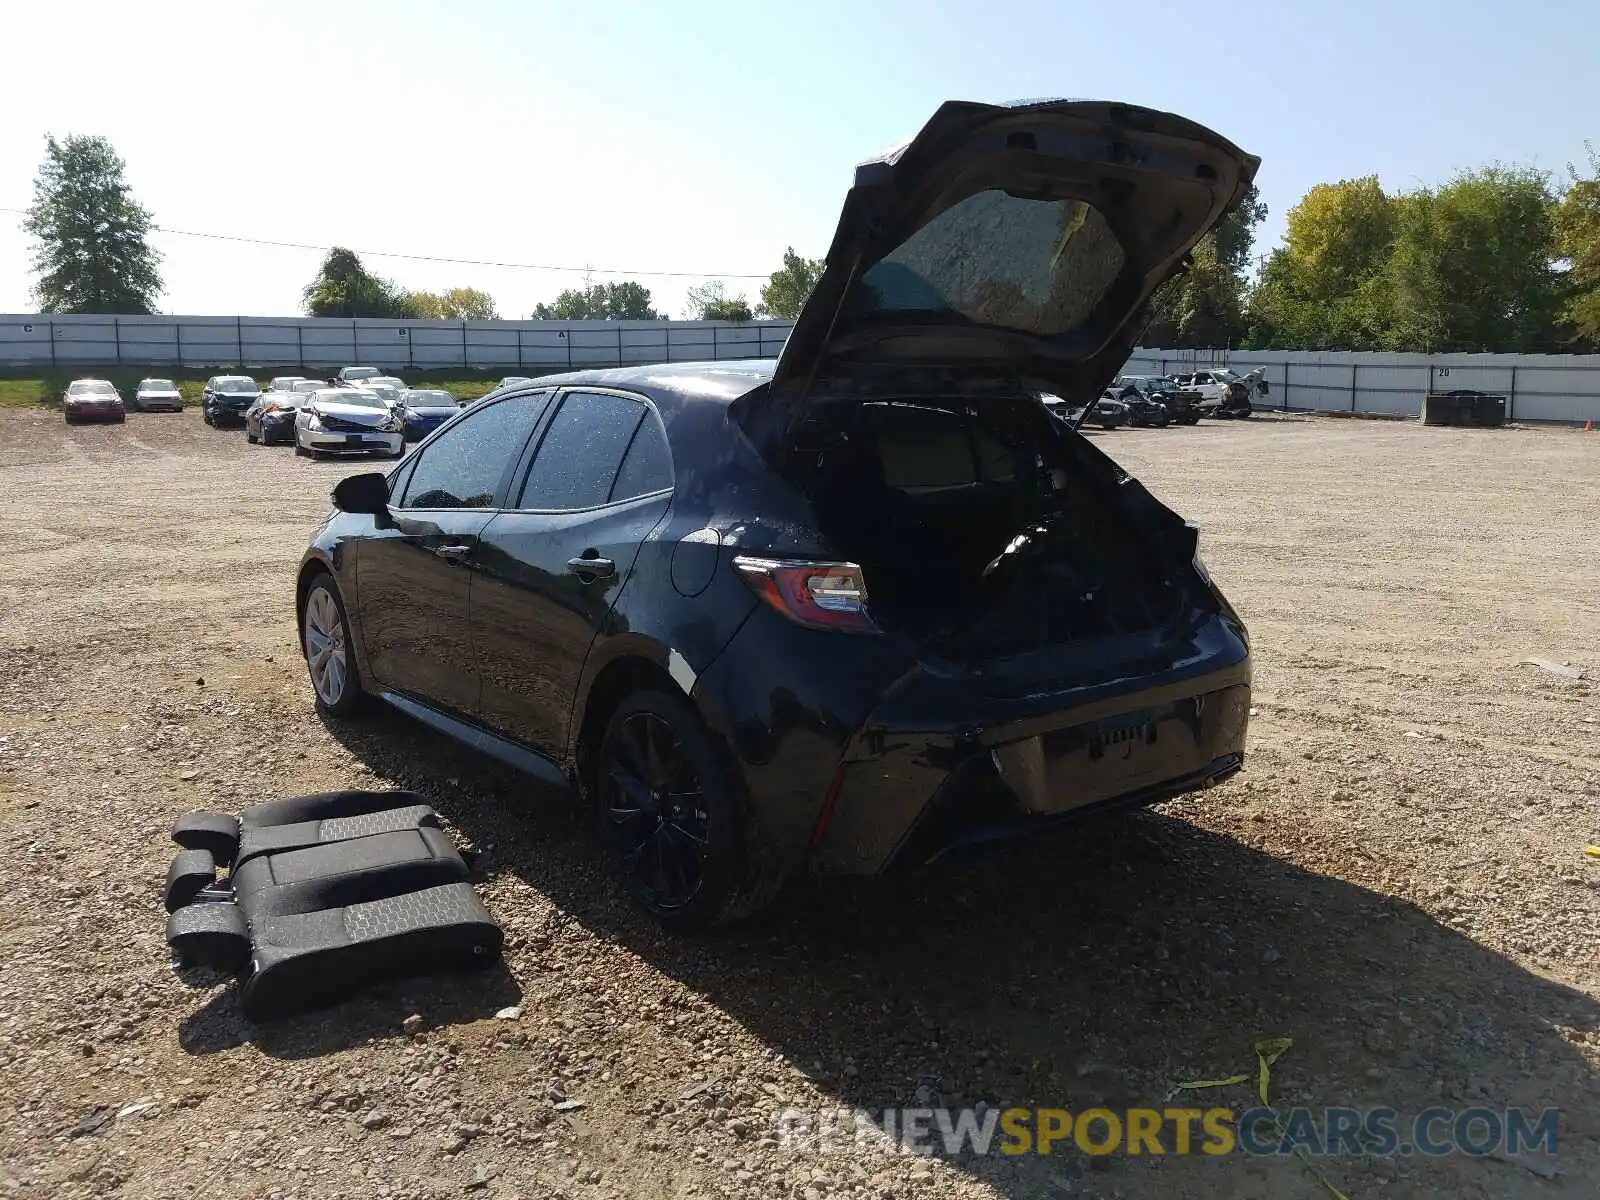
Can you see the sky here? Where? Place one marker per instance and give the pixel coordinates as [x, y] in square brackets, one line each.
[699, 137]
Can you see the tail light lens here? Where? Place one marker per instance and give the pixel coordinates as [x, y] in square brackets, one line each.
[818, 594]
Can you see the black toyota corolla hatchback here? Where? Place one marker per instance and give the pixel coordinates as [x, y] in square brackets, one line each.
[852, 610]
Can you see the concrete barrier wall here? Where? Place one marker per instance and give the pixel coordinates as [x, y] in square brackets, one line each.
[55, 343]
[1539, 387]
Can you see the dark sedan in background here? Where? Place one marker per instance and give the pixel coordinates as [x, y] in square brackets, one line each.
[92, 400]
[1183, 406]
[846, 612]
[227, 398]
[425, 409]
[1144, 412]
[270, 420]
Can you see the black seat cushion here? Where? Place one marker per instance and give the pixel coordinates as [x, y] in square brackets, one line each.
[328, 892]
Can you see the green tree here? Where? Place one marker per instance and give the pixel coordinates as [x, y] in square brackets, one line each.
[456, 304]
[1203, 306]
[1577, 232]
[711, 302]
[1327, 286]
[624, 301]
[91, 248]
[789, 286]
[1235, 235]
[1473, 268]
[343, 287]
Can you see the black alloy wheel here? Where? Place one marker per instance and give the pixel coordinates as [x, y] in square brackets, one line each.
[666, 812]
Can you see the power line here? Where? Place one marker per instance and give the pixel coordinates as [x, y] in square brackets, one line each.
[436, 258]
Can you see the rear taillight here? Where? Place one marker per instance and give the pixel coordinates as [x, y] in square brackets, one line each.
[822, 595]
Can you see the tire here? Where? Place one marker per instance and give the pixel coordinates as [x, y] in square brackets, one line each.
[205, 415]
[249, 437]
[1191, 419]
[324, 626]
[653, 742]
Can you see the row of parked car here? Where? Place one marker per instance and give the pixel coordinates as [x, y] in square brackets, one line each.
[99, 400]
[360, 411]
[363, 411]
[1156, 401]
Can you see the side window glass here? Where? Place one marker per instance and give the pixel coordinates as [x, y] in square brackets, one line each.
[398, 480]
[995, 461]
[922, 449]
[647, 466]
[463, 467]
[581, 451]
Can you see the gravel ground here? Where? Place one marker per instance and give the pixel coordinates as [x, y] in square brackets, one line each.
[1396, 881]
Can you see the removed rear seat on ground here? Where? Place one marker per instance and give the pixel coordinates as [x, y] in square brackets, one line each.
[322, 894]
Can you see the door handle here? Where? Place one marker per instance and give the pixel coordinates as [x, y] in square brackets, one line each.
[453, 552]
[589, 569]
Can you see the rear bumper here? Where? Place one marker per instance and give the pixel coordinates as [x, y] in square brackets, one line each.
[856, 760]
[975, 812]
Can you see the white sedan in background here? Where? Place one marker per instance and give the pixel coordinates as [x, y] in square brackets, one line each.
[389, 387]
[154, 394]
[348, 421]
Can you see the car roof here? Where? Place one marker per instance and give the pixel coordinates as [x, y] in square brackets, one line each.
[674, 383]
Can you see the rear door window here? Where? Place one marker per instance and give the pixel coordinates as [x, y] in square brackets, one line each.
[465, 465]
[647, 466]
[581, 452]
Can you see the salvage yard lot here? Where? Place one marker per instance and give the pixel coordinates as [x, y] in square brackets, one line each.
[1396, 881]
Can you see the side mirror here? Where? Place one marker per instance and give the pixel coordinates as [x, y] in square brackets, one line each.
[367, 493]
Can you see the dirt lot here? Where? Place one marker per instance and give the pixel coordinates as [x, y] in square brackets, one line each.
[1397, 880]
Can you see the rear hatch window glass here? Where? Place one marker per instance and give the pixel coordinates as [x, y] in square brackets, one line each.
[1034, 266]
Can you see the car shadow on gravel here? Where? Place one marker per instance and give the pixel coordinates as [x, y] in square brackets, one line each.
[1093, 968]
[374, 1014]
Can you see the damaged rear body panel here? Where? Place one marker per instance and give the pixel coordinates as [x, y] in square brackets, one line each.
[1044, 640]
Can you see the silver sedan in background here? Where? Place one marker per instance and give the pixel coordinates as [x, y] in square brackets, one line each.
[348, 420]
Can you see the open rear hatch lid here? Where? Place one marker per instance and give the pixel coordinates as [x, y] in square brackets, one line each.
[1016, 240]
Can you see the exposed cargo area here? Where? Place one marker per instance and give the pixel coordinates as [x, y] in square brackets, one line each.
[977, 526]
